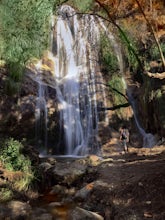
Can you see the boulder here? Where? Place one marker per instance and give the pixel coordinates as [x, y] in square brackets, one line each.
[82, 214]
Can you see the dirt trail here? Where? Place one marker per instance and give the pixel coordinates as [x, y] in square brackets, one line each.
[137, 180]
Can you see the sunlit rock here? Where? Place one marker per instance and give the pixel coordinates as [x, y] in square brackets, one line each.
[79, 214]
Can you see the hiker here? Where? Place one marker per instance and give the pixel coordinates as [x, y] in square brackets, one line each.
[124, 137]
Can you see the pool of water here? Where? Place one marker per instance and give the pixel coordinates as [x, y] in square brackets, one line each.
[53, 205]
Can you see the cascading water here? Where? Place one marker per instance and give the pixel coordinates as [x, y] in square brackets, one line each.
[75, 71]
[78, 83]
[149, 140]
[75, 46]
[41, 115]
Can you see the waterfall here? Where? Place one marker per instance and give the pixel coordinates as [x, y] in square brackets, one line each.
[41, 115]
[78, 82]
[75, 74]
[149, 139]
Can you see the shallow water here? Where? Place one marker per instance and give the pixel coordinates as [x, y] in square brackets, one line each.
[70, 157]
[53, 205]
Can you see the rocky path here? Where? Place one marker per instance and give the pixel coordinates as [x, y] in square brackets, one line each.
[116, 186]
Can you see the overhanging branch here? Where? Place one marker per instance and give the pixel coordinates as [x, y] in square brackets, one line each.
[113, 108]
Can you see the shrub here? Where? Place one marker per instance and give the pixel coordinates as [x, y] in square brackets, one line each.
[154, 52]
[11, 157]
[13, 160]
[5, 194]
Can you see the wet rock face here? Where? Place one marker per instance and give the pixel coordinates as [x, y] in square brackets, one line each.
[17, 112]
[152, 106]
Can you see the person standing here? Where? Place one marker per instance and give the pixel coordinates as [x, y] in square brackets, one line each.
[124, 137]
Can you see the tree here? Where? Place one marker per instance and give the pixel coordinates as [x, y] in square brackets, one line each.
[113, 21]
[153, 33]
[24, 32]
[130, 8]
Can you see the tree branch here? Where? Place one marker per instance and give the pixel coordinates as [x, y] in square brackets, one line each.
[125, 105]
[122, 33]
[160, 76]
[153, 33]
[112, 88]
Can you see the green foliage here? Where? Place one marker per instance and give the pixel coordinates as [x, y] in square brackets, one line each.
[5, 194]
[108, 60]
[83, 6]
[117, 88]
[24, 31]
[154, 52]
[131, 50]
[11, 156]
[14, 78]
[116, 84]
[13, 160]
[159, 94]
[12, 87]
[2, 45]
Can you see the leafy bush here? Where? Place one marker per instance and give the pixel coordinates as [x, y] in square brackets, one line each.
[13, 160]
[11, 156]
[154, 52]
